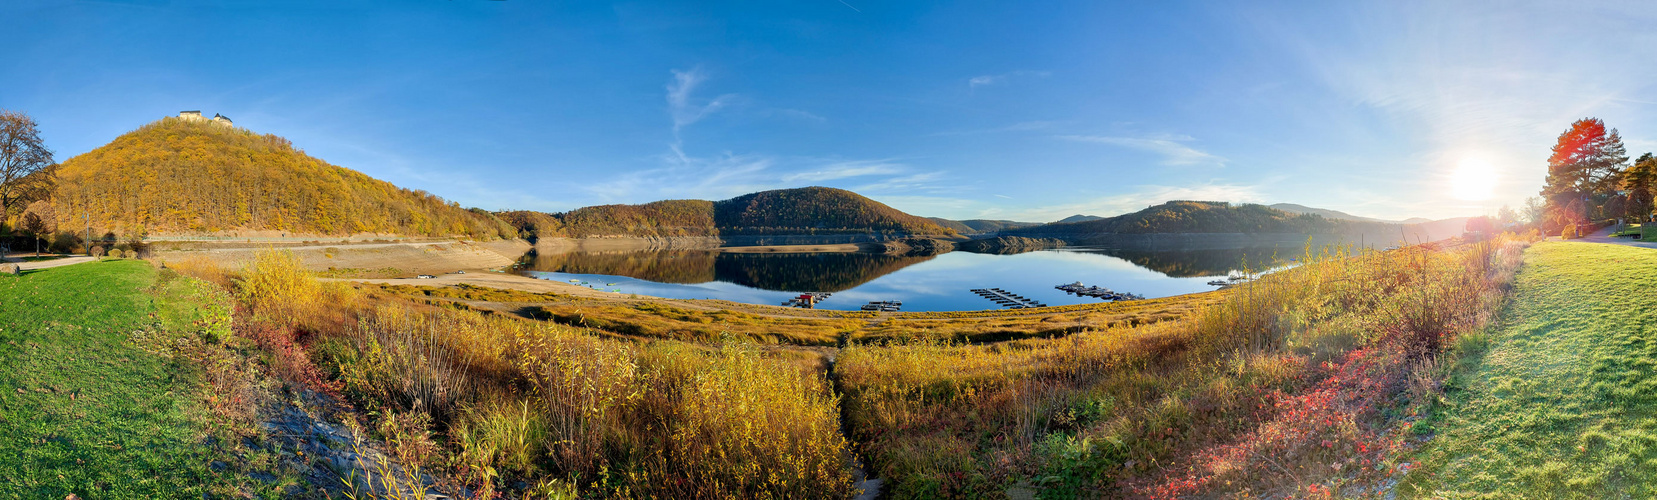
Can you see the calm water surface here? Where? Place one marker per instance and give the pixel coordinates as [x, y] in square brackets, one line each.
[923, 283]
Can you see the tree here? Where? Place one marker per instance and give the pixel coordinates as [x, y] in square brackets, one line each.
[1639, 180]
[1481, 225]
[1587, 162]
[22, 158]
[1506, 217]
[1536, 210]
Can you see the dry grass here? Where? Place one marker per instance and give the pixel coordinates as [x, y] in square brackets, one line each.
[496, 402]
[1256, 394]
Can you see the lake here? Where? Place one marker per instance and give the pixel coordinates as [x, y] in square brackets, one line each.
[923, 283]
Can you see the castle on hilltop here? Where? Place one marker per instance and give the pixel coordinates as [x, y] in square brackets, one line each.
[195, 116]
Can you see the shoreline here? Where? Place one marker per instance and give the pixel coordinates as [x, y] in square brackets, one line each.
[514, 282]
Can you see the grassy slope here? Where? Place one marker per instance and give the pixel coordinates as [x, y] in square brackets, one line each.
[82, 409]
[1564, 402]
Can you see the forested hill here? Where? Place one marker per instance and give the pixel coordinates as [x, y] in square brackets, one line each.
[815, 209]
[660, 218]
[176, 176]
[1205, 217]
[811, 210]
[980, 226]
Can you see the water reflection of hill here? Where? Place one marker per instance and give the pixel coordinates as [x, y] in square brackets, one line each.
[1195, 263]
[818, 272]
[667, 266]
[823, 272]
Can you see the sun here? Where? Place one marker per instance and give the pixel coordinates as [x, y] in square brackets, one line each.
[1474, 179]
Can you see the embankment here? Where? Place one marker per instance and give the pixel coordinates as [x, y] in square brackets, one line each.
[403, 258]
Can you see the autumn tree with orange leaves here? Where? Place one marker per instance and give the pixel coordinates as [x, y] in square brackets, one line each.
[1583, 173]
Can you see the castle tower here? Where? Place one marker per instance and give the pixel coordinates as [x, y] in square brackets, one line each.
[190, 116]
[219, 119]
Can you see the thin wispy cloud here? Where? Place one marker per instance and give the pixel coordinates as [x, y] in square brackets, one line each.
[910, 183]
[986, 80]
[684, 174]
[1029, 126]
[797, 114]
[1472, 78]
[846, 169]
[681, 104]
[1173, 149]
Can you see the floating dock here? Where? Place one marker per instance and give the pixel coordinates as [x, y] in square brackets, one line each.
[1098, 291]
[807, 300]
[1230, 281]
[1007, 299]
[884, 305]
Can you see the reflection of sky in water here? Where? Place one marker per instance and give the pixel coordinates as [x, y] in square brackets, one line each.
[942, 283]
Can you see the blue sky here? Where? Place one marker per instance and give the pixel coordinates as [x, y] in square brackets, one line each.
[1016, 110]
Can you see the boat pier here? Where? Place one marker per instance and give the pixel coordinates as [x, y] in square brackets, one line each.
[807, 300]
[1007, 299]
[1098, 291]
[884, 305]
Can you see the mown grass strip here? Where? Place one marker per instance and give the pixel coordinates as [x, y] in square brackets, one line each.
[83, 410]
[1563, 403]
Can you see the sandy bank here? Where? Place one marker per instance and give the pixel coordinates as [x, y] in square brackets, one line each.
[410, 258]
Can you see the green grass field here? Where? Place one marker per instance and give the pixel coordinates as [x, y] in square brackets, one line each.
[1561, 400]
[83, 409]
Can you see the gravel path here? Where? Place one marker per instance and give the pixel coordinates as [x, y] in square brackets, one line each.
[29, 266]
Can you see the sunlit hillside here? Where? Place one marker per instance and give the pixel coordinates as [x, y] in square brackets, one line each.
[180, 176]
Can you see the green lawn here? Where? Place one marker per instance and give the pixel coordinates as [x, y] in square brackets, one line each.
[1563, 403]
[83, 410]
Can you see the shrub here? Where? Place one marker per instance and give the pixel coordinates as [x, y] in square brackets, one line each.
[97, 251]
[65, 242]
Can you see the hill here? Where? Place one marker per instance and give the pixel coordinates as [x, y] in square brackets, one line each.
[1077, 218]
[1326, 213]
[979, 226]
[181, 176]
[810, 210]
[1176, 217]
[1193, 217]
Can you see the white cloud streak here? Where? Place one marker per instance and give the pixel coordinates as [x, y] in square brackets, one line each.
[682, 174]
[681, 105]
[1173, 149]
[987, 80]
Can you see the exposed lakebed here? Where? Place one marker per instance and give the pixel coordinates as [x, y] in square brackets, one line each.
[941, 282]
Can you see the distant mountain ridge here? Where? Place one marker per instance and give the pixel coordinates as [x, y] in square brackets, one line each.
[800, 211]
[1330, 214]
[1077, 218]
[1210, 217]
[980, 226]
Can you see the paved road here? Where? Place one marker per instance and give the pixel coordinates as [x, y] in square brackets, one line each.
[1604, 236]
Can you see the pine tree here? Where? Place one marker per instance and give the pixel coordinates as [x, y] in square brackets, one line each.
[1586, 166]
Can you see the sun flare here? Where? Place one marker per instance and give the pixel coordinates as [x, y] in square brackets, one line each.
[1474, 179]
